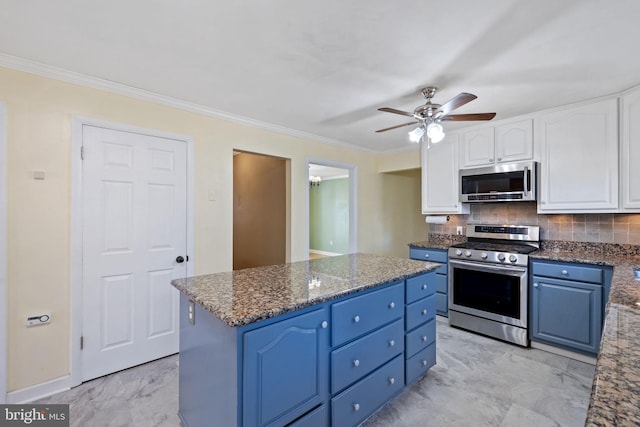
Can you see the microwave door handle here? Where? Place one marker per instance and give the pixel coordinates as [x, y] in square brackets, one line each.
[526, 180]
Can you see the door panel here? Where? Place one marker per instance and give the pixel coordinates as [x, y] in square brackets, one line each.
[134, 227]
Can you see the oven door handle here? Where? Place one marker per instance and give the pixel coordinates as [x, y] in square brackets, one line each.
[505, 269]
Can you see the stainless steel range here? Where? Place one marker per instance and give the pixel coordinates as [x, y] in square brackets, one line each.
[488, 280]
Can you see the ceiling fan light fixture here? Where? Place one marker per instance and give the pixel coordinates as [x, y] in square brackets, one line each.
[416, 134]
[435, 132]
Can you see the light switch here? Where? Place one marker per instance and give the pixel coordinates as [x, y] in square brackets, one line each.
[38, 174]
[212, 195]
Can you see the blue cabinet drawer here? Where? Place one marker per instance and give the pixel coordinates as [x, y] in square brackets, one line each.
[442, 304]
[316, 418]
[441, 283]
[421, 286]
[420, 312]
[417, 365]
[567, 271]
[357, 359]
[433, 255]
[420, 337]
[356, 403]
[359, 315]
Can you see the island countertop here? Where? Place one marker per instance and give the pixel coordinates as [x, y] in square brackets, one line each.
[246, 296]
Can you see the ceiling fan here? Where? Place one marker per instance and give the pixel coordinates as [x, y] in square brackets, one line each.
[429, 115]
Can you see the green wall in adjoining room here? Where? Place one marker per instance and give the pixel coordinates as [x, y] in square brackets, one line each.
[329, 216]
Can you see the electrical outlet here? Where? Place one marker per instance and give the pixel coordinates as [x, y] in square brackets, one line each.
[39, 319]
[459, 230]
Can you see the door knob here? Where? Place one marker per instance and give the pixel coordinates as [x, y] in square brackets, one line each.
[179, 259]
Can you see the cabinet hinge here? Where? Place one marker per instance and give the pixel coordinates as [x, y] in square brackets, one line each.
[82, 152]
[81, 342]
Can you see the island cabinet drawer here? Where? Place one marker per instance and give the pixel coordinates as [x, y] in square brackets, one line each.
[420, 312]
[357, 359]
[421, 286]
[568, 271]
[359, 315]
[433, 255]
[420, 363]
[420, 337]
[355, 404]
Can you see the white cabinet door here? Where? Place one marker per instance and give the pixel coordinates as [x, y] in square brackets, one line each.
[478, 147]
[579, 159]
[630, 156]
[514, 141]
[440, 177]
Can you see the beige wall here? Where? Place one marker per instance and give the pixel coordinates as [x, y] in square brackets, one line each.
[40, 112]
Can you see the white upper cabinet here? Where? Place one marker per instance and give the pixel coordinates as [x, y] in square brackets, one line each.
[440, 177]
[579, 158]
[507, 142]
[630, 152]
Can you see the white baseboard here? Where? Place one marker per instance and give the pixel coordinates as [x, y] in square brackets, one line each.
[315, 251]
[39, 391]
[562, 352]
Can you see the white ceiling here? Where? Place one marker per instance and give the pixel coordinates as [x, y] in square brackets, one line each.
[322, 68]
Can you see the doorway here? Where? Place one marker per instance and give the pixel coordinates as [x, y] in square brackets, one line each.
[331, 208]
[260, 210]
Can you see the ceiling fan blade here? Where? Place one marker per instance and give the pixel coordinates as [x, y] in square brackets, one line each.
[396, 126]
[468, 117]
[455, 102]
[394, 111]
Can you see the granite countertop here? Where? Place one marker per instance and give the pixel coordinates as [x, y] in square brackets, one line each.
[439, 241]
[245, 296]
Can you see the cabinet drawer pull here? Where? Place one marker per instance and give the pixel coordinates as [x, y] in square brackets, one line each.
[356, 407]
[499, 159]
[324, 324]
[565, 272]
[424, 363]
[535, 285]
[424, 338]
[426, 255]
[356, 319]
[392, 380]
[424, 287]
[424, 312]
[392, 343]
[356, 363]
[392, 304]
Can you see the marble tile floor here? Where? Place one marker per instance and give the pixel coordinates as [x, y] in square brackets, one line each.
[477, 381]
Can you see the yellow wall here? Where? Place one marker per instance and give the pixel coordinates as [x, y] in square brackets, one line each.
[40, 112]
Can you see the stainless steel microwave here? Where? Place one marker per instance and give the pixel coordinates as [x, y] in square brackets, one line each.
[499, 183]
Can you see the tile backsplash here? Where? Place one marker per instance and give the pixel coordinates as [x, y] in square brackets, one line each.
[604, 228]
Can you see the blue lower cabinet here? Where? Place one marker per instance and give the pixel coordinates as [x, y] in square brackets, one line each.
[285, 369]
[442, 286]
[420, 311]
[418, 364]
[354, 405]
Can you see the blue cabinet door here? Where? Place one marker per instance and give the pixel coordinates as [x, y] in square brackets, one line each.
[566, 313]
[285, 369]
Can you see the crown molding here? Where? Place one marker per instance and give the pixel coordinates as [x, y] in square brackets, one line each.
[26, 65]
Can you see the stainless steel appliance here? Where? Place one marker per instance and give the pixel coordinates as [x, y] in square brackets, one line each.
[500, 183]
[488, 277]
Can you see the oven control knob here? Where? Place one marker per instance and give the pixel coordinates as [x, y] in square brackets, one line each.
[501, 257]
[483, 255]
[513, 258]
[467, 253]
[458, 252]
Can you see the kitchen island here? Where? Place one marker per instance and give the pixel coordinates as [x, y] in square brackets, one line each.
[313, 343]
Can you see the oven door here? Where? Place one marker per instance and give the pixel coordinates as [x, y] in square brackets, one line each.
[495, 292]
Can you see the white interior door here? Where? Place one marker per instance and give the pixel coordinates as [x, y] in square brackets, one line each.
[134, 230]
